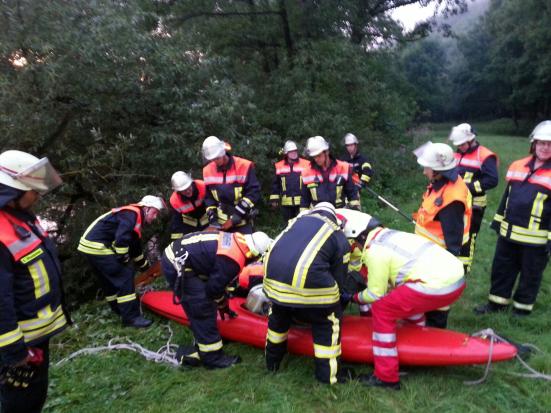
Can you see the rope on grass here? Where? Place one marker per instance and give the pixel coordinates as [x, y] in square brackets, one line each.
[488, 333]
[166, 354]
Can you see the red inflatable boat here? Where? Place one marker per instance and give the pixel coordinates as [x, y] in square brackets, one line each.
[417, 346]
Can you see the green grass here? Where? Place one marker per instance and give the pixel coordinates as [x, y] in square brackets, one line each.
[124, 382]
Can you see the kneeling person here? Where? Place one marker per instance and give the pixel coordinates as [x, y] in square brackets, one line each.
[424, 277]
[198, 267]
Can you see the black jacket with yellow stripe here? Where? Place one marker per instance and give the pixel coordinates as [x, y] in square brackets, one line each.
[307, 263]
[31, 294]
[524, 213]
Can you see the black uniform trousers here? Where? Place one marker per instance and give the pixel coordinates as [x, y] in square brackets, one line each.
[325, 332]
[467, 250]
[117, 280]
[29, 399]
[289, 212]
[202, 313]
[510, 259]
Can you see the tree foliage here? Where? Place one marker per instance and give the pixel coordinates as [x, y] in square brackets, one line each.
[120, 94]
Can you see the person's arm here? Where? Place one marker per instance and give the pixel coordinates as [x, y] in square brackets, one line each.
[489, 177]
[351, 191]
[366, 171]
[341, 258]
[224, 271]
[125, 230]
[451, 219]
[305, 196]
[276, 190]
[251, 194]
[13, 349]
[377, 262]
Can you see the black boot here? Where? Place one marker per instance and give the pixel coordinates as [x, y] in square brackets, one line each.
[373, 381]
[438, 319]
[188, 356]
[221, 362]
[137, 322]
[345, 374]
[489, 308]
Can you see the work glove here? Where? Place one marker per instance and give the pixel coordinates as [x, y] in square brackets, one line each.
[224, 310]
[211, 214]
[345, 298]
[124, 258]
[20, 375]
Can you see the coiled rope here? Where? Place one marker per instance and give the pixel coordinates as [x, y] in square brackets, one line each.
[491, 335]
[166, 354]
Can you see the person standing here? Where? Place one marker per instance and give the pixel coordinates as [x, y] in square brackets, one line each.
[477, 165]
[523, 224]
[445, 213]
[304, 275]
[287, 185]
[363, 171]
[327, 179]
[188, 211]
[31, 296]
[233, 189]
[110, 243]
[198, 268]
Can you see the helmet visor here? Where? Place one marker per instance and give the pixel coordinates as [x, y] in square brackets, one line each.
[41, 177]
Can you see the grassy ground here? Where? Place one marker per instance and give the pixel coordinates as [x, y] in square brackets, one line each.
[124, 382]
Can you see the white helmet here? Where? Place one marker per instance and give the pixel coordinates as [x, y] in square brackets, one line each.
[542, 132]
[21, 170]
[325, 207]
[258, 242]
[180, 181]
[289, 147]
[356, 222]
[437, 156]
[461, 134]
[316, 145]
[213, 148]
[350, 139]
[152, 202]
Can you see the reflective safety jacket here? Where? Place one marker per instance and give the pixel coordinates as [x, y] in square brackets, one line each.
[396, 258]
[188, 214]
[331, 185]
[307, 263]
[478, 168]
[287, 186]
[232, 189]
[524, 214]
[362, 171]
[30, 276]
[216, 257]
[428, 222]
[116, 232]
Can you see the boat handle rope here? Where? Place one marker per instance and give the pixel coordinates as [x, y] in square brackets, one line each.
[489, 334]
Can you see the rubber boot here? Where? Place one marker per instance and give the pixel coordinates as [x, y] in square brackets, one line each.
[489, 308]
[137, 322]
[221, 362]
[188, 356]
[437, 319]
[373, 381]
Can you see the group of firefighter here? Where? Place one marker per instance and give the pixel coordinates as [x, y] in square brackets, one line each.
[329, 254]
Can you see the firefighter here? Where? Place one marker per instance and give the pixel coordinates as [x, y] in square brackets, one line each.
[31, 296]
[327, 179]
[232, 188]
[287, 186]
[444, 216]
[523, 224]
[422, 277]
[304, 274]
[110, 243]
[477, 166]
[198, 268]
[361, 166]
[188, 212]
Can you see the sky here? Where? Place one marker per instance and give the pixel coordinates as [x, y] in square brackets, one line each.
[411, 14]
